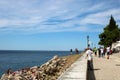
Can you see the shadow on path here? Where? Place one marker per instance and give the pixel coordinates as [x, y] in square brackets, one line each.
[90, 73]
[117, 64]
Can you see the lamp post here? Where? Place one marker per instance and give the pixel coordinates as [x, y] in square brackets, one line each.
[88, 45]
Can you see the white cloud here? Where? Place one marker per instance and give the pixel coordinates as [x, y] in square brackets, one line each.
[101, 18]
[31, 15]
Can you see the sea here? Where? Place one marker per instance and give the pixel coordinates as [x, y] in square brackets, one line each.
[18, 59]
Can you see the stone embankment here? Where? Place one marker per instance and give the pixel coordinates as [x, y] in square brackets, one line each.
[48, 71]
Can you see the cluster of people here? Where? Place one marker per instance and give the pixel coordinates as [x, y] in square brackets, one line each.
[76, 51]
[101, 53]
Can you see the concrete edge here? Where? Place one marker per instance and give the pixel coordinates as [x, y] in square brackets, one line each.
[82, 58]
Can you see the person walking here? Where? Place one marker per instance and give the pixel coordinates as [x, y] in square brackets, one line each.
[89, 56]
[71, 51]
[102, 52]
[108, 52]
[99, 52]
[76, 50]
[95, 51]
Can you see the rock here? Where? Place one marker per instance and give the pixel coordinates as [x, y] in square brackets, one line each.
[48, 71]
[55, 57]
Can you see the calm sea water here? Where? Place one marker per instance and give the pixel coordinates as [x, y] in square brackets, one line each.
[21, 59]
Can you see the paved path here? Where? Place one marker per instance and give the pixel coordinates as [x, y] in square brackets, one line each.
[77, 71]
[105, 69]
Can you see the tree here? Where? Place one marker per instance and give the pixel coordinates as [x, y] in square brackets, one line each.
[111, 33]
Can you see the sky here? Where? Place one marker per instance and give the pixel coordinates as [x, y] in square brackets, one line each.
[54, 24]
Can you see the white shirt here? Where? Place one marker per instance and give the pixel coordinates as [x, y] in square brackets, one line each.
[108, 49]
[101, 50]
[89, 53]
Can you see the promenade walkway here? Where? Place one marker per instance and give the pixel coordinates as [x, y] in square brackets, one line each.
[77, 70]
[105, 69]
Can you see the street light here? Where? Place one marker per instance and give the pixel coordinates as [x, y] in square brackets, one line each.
[88, 45]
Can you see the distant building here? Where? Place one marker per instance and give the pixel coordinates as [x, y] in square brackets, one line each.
[116, 46]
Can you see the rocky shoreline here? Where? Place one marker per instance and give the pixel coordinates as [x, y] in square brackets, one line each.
[51, 70]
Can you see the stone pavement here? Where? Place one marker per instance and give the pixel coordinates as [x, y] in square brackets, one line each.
[105, 69]
[77, 70]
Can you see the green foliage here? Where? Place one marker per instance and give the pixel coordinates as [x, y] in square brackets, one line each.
[111, 34]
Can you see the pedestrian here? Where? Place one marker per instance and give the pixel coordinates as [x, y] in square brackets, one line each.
[111, 52]
[76, 50]
[102, 52]
[95, 51]
[108, 52]
[89, 56]
[99, 52]
[71, 51]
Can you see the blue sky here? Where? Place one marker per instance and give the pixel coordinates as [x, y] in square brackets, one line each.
[54, 24]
